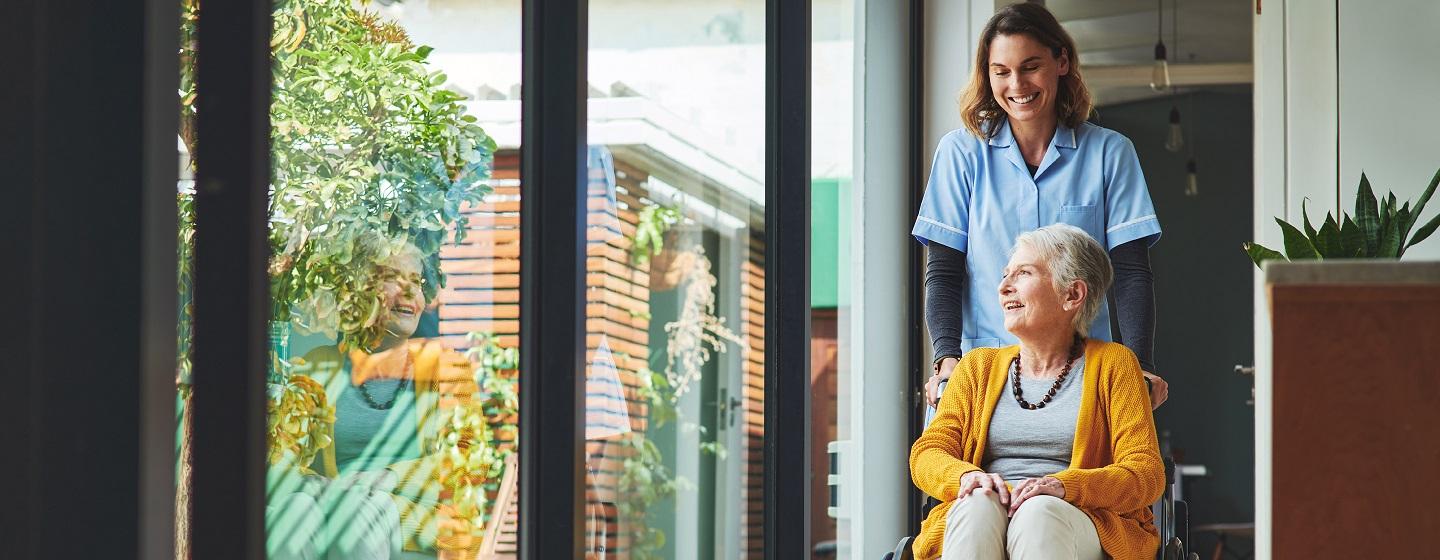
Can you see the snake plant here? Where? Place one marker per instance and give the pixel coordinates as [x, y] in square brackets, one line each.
[1378, 230]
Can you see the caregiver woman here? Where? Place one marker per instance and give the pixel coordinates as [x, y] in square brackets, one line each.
[1025, 159]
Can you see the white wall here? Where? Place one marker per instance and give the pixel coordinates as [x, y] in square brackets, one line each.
[1271, 168]
[1339, 88]
[1389, 124]
[1346, 86]
[952, 29]
[873, 472]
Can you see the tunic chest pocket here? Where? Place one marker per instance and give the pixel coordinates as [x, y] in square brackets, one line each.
[1083, 216]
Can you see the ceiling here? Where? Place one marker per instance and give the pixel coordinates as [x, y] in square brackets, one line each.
[1212, 46]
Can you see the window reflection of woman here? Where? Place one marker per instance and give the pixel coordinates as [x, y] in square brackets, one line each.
[378, 497]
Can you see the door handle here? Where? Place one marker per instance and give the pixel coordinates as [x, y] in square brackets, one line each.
[1250, 371]
[725, 406]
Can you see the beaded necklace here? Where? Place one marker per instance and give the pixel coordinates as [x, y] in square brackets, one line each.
[406, 379]
[1019, 395]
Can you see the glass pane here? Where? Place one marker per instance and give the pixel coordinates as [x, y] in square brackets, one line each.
[394, 231]
[674, 403]
[832, 64]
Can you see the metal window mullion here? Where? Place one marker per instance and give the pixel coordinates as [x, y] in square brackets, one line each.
[552, 278]
[787, 280]
[914, 275]
[231, 302]
[159, 297]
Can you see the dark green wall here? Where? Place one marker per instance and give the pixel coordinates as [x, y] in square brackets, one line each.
[1203, 292]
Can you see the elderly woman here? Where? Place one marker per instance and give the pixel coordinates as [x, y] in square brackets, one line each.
[378, 495]
[1045, 449]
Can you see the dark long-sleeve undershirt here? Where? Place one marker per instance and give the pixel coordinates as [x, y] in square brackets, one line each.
[1133, 294]
[944, 282]
[1134, 297]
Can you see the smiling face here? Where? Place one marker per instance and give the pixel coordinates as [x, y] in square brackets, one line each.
[1032, 305]
[1025, 77]
[403, 297]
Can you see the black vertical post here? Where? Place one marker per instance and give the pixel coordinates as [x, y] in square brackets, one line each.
[552, 278]
[73, 153]
[787, 279]
[159, 290]
[231, 303]
[916, 368]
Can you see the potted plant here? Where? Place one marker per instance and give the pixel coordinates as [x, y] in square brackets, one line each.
[1378, 229]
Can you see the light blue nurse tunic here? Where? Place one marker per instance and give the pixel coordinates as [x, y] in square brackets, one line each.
[981, 196]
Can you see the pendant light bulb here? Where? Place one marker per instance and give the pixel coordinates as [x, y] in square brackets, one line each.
[1192, 180]
[1175, 139]
[1160, 71]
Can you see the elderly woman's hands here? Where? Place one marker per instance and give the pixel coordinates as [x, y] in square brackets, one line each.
[1031, 487]
[979, 480]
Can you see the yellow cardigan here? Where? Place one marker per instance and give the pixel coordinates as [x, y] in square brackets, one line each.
[1115, 469]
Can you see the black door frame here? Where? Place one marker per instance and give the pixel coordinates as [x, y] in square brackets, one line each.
[552, 277]
[916, 367]
[787, 280]
[231, 297]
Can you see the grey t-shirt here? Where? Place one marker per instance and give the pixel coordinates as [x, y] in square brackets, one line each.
[367, 438]
[1034, 443]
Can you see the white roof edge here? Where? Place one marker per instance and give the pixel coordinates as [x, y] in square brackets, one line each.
[635, 121]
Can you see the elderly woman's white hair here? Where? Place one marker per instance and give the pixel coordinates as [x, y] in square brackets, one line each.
[1073, 255]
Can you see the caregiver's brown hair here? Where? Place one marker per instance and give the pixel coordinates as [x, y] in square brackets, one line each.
[978, 108]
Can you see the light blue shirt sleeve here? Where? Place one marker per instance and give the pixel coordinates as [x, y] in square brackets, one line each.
[1129, 213]
[945, 210]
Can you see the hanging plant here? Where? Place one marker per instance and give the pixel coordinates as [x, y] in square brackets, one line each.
[697, 331]
[654, 220]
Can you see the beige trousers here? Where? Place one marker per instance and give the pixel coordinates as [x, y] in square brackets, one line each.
[1045, 528]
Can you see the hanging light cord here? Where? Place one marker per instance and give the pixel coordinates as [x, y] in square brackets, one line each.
[1190, 130]
[1175, 39]
[1160, 20]
[1175, 28]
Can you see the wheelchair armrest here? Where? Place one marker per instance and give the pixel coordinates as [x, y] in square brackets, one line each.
[902, 550]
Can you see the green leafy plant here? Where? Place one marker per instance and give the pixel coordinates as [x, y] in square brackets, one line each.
[1378, 229]
[649, 239]
[184, 282]
[467, 456]
[497, 377]
[369, 153]
[646, 480]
